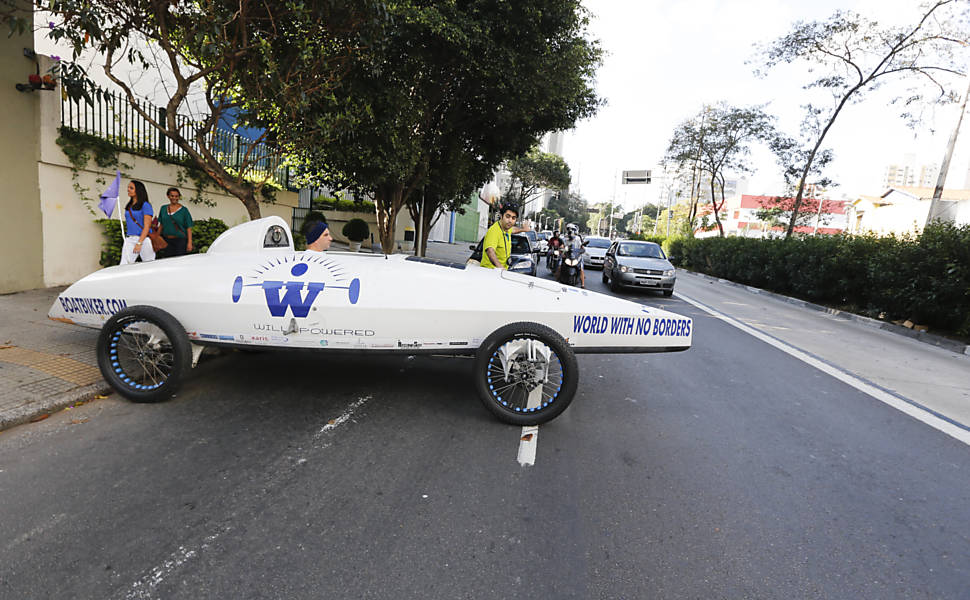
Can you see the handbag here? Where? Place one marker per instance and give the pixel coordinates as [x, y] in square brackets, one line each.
[158, 242]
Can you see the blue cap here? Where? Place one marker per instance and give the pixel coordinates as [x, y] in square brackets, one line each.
[315, 232]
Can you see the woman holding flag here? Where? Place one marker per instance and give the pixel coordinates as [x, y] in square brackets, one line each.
[138, 222]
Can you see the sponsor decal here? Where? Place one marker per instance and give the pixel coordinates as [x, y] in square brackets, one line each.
[293, 283]
[92, 306]
[323, 343]
[208, 336]
[227, 338]
[192, 334]
[631, 326]
[457, 343]
[259, 338]
[402, 344]
[315, 330]
[280, 339]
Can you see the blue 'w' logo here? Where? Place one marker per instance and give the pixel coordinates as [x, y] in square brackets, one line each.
[292, 299]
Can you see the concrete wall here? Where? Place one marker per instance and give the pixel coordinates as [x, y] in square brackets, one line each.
[20, 228]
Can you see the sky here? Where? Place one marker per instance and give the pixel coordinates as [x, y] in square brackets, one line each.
[664, 60]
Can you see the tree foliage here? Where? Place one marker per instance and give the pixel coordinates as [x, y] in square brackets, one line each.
[571, 208]
[533, 172]
[849, 56]
[260, 62]
[716, 141]
[469, 84]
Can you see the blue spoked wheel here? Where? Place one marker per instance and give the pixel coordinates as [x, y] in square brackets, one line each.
[526, 374]
[143, 353]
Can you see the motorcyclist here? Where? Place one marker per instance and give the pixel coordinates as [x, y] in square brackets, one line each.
[575, 242]
[555, 243]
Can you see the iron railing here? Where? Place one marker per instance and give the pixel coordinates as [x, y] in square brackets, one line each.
[112, 117]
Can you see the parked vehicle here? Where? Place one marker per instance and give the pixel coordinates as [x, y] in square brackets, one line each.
[596, 248]
[251, 289]
[639, 264]
[522, 259]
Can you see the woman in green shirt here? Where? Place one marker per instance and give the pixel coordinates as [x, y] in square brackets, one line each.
[176, 224]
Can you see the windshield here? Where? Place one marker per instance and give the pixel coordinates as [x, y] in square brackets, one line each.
[520, 245]
[546, 235]
[640, 250]
[599, 243]
[530, 234]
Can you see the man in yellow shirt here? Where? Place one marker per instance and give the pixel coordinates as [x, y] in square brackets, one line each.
[498, 239]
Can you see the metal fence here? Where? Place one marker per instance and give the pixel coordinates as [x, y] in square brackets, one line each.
[113, 118]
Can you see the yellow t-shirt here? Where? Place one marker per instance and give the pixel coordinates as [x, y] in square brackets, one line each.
[501, 241]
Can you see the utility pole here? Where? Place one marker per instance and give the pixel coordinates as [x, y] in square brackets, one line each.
[941, 179]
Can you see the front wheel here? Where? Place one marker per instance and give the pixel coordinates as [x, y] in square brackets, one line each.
[526, 374]
[143, 353]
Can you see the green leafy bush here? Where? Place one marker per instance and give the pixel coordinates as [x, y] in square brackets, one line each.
[205, 231]
[356, 230]
[925, 279]
[111, 247]
[324, 203]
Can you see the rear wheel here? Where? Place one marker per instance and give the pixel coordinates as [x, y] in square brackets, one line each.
[668, 293]
[526, 374]
[143, 353]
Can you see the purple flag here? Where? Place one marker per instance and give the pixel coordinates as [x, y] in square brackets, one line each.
[109, 198]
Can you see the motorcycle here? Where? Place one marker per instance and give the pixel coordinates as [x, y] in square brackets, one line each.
[569, 271]
[553, 259]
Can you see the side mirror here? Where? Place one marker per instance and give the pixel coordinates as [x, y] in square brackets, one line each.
[471, 246]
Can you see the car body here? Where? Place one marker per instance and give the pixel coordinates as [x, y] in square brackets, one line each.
[522, 257]
[253, 290]
[639, 264]
[533, 238]
[542, 245]
[595, 252]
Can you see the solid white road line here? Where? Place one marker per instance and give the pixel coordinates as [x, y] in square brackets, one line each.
[901, 405]
[527, 445]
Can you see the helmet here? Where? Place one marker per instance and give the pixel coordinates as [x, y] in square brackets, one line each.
[572, 229]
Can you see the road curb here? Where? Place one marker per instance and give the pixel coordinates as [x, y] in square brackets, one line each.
[920, 336]
[48, 406]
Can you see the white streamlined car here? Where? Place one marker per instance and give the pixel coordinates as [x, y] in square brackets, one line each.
[252, 289]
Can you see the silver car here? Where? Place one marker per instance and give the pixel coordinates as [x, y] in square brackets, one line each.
[595, 253]
[638, 264]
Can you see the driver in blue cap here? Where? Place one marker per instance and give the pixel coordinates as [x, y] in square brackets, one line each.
[318, 237]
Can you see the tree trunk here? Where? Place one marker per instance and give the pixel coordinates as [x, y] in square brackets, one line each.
[387, 204]
[717, 217]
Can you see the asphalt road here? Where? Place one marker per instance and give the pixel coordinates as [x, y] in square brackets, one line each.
[732, 470]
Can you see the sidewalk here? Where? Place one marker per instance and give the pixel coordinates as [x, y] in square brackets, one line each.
[44, 365]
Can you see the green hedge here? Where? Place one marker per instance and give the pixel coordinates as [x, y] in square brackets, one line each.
[342, 205]
[204, 232]
[925, 279]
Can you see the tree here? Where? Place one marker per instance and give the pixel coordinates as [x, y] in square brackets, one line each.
[533, 172]
[716, 141]
[852, 56]
[256, 61]
[491, 76]
[572, 208]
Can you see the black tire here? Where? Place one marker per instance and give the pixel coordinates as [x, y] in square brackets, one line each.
[143, 353]
[614, 285]
[668, 293]
[605, 278]
[557, 393]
